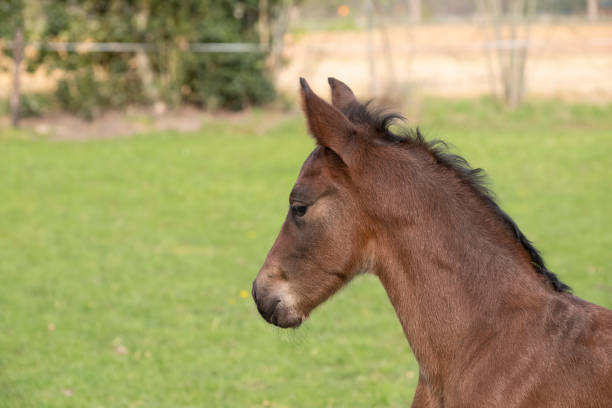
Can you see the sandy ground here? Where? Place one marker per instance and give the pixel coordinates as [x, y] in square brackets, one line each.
[572, 61]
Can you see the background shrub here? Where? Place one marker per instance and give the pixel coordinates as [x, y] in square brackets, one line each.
[170, 73]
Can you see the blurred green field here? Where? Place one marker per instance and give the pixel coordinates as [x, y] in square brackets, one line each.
[126, 264]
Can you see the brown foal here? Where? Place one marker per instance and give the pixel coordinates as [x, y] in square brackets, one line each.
[489, 325]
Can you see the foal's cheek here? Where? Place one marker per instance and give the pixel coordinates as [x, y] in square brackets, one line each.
[322, 240]
[337, 251]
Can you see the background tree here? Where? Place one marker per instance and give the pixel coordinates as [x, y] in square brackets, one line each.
[97, 80]
[510, 25]
[11, 26]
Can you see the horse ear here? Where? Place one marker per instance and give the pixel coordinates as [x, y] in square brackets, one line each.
[327, 124]
[342, 96]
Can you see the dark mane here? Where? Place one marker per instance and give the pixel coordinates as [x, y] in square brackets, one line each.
[381, 120]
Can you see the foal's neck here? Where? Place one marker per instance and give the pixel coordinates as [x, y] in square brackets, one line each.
[456, 270]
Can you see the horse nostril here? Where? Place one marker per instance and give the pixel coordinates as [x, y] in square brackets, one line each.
[265, 302]
[269, 312]
[266, 306]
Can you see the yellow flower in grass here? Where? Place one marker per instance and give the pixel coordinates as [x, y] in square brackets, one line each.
[244, 294]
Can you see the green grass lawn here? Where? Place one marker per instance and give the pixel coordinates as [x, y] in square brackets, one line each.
[124, 263]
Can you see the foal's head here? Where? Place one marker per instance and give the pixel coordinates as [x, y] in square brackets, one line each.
[324, 240]
[360, 192]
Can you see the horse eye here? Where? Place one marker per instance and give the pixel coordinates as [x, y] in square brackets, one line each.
[298, 210]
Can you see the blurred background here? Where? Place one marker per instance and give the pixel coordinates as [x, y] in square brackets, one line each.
[147, 150]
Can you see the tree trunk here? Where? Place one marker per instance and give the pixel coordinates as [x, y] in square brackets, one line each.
[512, 31]
[368, 6]
[278, 29]
[592, 10]
[264, 24]
[16, 95]
[415, 11]
[143, 64]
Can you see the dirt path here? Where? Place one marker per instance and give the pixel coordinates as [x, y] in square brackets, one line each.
[113, 124]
